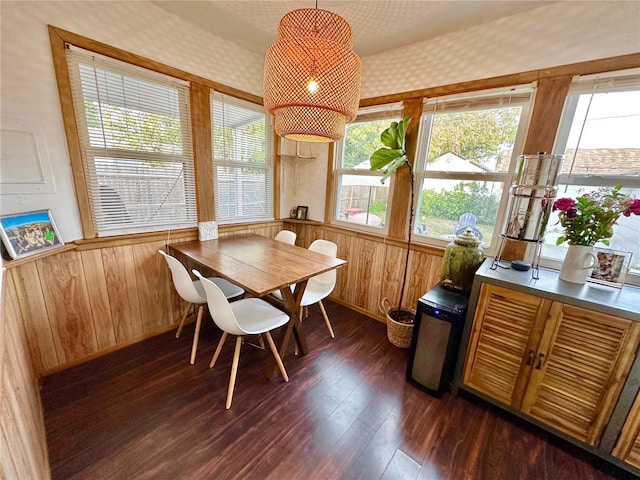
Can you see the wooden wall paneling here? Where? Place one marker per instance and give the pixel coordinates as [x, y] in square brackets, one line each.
[392, 273]
[343, 244]
[202, 150]
[22, 424]
[36, 319]
[368, 260]
[120, 274]
[154, 282]
[8, 467]
[420, 278]
[344, 252]
[67, 300]
[547, 110]
[23, 447]
[7, 306]
[178, 305]
[353, 279]
[398, 217]
[98, 298]
[16, 442]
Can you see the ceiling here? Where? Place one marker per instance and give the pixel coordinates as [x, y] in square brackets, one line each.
[378, 25]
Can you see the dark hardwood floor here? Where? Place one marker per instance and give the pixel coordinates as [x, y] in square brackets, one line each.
[346, 413]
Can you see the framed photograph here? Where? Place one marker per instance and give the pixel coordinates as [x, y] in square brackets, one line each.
[301, 212]
[24, 234]
[611, 267]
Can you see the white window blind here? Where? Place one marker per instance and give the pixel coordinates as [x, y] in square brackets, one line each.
[135, 136]
[242, 139]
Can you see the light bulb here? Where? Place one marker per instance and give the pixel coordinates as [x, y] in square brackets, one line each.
[312, 86]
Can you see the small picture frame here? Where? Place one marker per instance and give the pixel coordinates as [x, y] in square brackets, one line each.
[24, 234]
[301, 212]
[611, 267]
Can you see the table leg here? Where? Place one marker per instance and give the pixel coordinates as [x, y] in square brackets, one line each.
[292, 306]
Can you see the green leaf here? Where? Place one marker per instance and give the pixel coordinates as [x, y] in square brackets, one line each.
[383, 156]
[402, 131]
[389, 137]
[560, 240]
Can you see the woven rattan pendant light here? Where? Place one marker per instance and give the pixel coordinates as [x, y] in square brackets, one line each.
[312, 76]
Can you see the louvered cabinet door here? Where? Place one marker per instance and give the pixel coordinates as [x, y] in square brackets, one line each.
[628, 446]
[580, 368]
[505, 336]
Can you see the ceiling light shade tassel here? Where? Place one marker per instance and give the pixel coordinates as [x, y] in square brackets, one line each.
[312, 76]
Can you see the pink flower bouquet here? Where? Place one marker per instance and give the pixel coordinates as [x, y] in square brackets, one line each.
[590, 218]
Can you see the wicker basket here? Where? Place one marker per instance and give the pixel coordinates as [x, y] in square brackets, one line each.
[399, 334]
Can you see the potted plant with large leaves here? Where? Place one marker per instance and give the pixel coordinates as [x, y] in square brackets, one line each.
[388, 159]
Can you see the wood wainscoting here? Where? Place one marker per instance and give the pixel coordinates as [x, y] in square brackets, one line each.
[103, 295]
[99, 297]
[374, 267]
[23, 444]
[89, 299]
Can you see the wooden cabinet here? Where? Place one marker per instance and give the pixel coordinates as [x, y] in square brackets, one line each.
[628, 447]
[506, 331]
[561, 364]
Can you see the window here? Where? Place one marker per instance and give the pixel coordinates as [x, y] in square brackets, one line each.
[135, 136]
[361, 198]
[242, 160]
[466, 150]
[598, 135]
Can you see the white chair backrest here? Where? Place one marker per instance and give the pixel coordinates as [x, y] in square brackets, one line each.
[286, 236]
[181, 280]
[331, 250]
[219, 307]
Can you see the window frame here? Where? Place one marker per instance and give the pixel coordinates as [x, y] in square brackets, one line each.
[199, 98]
[91, 153]
[268, 166]
[388, 112]
[484, 99]
[605, 82]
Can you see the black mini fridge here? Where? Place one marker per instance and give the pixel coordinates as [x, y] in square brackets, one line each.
[436, 338]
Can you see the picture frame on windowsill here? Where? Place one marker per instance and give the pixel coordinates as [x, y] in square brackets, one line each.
[301, 212]
[25, 234]
[611, 267]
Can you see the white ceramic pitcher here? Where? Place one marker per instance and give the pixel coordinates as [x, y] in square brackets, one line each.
[578, 264]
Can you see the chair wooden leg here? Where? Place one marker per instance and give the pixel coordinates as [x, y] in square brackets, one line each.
[234, 372]
[184, 317]
[196, 335]
[218, 349]
[326, 319]
[274, 350]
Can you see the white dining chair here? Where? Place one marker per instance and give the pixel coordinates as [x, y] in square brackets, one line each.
[320, 286]
[248, 316]
[191, 291]
[286, 236]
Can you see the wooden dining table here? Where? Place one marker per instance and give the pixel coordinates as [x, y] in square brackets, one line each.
[261, 266]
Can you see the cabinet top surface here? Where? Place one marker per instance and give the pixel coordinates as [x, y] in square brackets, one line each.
[624, 302]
